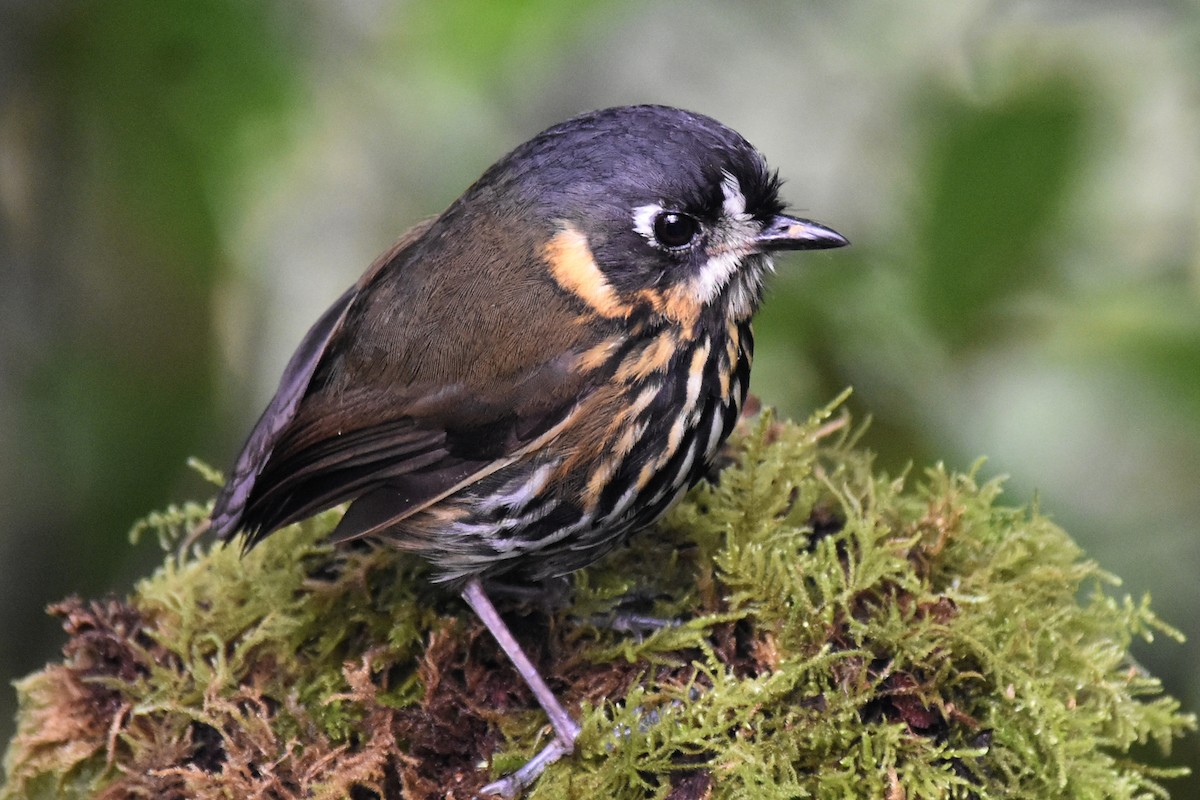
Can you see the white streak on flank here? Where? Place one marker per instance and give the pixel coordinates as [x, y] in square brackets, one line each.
[643, 221]
[508, 547]
[528, 519]
[662, 493]
[644, 399]
[521, 495]
[675, 493]
[582, 523]
[681, 474]
[623, 502]
[519, 545]
[714, 435]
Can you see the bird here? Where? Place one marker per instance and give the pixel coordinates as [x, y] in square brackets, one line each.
[520, 383]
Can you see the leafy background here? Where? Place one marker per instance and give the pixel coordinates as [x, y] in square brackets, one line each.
[185, 186]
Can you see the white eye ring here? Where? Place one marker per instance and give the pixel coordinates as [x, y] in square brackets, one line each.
[652, 222]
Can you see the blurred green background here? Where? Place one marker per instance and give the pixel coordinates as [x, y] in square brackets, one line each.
[185, 186]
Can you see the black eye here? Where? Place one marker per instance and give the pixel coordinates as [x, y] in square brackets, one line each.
[675, 231]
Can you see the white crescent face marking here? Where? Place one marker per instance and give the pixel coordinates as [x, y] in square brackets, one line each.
[735, 202]
[643, 221]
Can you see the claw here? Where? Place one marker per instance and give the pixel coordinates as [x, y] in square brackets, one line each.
[511, 785]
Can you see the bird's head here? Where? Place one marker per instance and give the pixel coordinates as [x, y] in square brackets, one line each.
[650, 207]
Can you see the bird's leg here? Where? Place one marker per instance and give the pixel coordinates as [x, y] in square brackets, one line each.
[565, 728]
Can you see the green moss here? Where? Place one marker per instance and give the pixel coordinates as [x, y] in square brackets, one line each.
[839, 633]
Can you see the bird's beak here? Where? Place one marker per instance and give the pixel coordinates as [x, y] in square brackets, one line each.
[788, 233]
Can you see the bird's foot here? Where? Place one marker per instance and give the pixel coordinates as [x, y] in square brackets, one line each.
[511, 785]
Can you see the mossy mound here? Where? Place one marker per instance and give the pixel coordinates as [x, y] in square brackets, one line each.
[840, 634]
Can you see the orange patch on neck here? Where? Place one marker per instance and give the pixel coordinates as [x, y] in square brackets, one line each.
[574, 269]
[654, 357]
[678, 304]
[682, 305]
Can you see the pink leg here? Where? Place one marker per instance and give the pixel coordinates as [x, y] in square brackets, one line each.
[565, 728]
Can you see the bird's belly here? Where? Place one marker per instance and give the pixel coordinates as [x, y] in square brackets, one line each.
[526, 518]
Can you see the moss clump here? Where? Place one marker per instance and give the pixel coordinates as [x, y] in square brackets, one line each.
[839, 633]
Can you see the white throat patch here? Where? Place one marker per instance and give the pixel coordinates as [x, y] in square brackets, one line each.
[734, 266]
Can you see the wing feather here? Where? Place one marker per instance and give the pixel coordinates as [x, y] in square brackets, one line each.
[233, 497]
[399, 396]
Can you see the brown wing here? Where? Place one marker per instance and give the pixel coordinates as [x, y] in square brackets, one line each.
[440, 365]
[230, 506]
